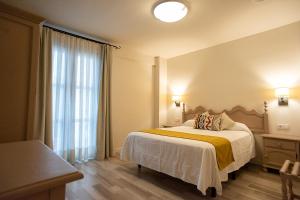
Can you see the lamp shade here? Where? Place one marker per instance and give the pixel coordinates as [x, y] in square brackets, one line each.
[280, 92]
[176, 98]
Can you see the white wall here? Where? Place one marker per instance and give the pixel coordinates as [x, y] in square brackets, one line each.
[242, 72]
[131, 94]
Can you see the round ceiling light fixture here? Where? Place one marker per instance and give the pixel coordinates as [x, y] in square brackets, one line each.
[170, 10]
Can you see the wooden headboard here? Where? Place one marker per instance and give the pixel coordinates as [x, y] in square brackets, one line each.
[256, 122]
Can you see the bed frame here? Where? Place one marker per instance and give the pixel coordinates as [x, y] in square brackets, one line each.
[256, 122]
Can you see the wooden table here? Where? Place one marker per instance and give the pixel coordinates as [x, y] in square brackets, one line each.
[30, 170]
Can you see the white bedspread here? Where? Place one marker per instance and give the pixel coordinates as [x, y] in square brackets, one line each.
[191, 161]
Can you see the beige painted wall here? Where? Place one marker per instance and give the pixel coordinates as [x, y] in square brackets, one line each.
[160, 91]
[163, 92]
[131, 94]
[242, 72]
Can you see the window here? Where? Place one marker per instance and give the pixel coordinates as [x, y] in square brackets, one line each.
[75, 91]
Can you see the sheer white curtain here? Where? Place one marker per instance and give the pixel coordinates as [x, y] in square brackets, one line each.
[76, 69]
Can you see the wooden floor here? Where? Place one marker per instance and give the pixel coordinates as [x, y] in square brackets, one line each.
[118, 180]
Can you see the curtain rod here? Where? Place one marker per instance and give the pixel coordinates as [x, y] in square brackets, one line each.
[55, 28]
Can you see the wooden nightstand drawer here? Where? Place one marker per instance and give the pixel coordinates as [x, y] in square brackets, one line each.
[281, 144]
[276, 157]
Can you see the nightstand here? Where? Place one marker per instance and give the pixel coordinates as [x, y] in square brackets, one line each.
[278, 148]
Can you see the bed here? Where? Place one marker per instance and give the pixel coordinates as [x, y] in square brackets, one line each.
[195, 161]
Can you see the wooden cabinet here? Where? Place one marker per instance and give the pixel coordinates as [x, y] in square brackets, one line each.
[278, 148]
[29, 170]
[19, 50]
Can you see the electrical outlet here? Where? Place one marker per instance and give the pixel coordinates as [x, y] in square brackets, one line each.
[283, 126]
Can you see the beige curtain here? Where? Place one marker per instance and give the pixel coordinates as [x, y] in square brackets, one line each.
[43, 114]
[43, 110]
[104, 140]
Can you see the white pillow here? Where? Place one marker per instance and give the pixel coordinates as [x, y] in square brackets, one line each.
[237, 126]
[190, 122]
[226, 122]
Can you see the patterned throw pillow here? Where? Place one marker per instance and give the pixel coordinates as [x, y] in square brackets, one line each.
[208, 122]
[216, 123]
[200, 120]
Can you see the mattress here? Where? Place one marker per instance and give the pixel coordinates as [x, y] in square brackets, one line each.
[189, 160]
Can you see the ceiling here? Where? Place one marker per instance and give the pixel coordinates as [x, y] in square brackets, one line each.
[130, 23]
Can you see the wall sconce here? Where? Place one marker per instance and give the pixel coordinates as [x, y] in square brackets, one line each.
[176, 99]
[283, 96]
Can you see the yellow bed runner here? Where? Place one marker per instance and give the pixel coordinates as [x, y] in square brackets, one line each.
[222, 145]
